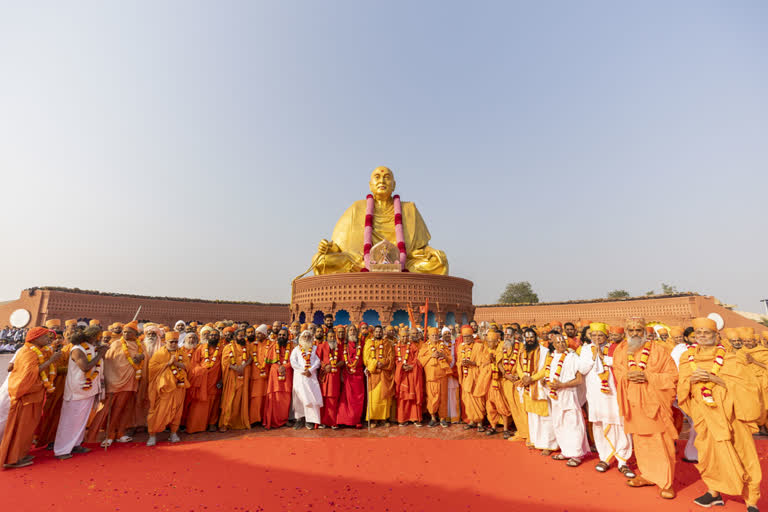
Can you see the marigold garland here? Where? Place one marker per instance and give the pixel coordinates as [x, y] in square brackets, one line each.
[407, 352]
[352, 367]
[136, 366]
[706, 387]
[178, 373]
[558, 370]
[232, 359]
[284, 359]
[259, 367]
[46, 377]
[466, 353]
[605, 385]
[508, 360]
[210, 361]
[307, 355]
[93, 372]
[644, 354]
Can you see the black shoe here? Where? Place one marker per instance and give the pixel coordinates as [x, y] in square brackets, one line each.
[752, 508]
[443, 423]
[432, 423]
[690, 461]
[298, 424]
[706, 500]
[80, 449]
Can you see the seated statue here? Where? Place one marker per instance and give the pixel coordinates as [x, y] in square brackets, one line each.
[345, 251]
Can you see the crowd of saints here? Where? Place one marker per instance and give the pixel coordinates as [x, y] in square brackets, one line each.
[563, 390]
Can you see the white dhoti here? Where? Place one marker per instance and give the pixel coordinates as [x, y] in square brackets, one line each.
[310, 412]
[5, 406]
[541, 432]
[570, 432]
[690, 452]
[611, 441]
[307, 398]
[71, 429]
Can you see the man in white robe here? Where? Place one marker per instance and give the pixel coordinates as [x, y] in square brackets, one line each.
[5, 398]
[607, 426]
[307, 396]
[563, 384]
[81, 391]
[531, 370]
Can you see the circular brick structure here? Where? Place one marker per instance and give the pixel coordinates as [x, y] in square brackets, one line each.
[381, 298]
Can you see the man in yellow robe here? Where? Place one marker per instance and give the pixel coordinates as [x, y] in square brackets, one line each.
[755, 357]
[436, 359]
[236, 377]
[716, 389]
[471, 356]
[167, 386]
[379, 360]
[509, 353]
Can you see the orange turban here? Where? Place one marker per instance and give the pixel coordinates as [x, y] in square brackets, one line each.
[70, 322]
[403, 332]
[765, 335]
[466, 330]
[663, 331]
[37, 332]
[229, 329]
[54, 322]
[132, 325]
[649, 329]
[340, 328]
[555, 324]
[704, 323]
[636, 322]
[616, 329]
[676, 331]
[434, 330]
[492, 335]
[728, 333]
[94, 321]
[171, 335]
[304, 327]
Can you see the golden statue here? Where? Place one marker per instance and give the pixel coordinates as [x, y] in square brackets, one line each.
[345, 252]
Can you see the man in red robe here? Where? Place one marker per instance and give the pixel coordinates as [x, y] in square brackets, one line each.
[331, 354]
[277, 403]
[205, 384]
[26, 389]
[353, 384]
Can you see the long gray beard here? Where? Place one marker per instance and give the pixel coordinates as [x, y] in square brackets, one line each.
[635, 343]
[332, 344]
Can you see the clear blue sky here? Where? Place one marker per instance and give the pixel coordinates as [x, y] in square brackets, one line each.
[202, 149]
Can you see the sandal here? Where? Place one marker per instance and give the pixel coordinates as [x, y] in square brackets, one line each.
[558, 456]
[546, 452]
[480, 428]
[506, 434]
[573, 462]
[627, 471]
[490, 431]
[468, 427]
[602, 467]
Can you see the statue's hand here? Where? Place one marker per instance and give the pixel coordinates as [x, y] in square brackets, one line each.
[323, 246]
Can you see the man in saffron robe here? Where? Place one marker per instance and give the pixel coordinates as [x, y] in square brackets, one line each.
[167, 385]
[123, 365]
[49, 423]
[496, 406]
[718, 391]
[646, 380]
[409, 380]
[509, 353]
[205, 384]
[260, 346]
[236, 379]
[331, 357]
[379, 359]
[25, 387]
[277, 403]
[352, 397]
[755, 357]
[436, 358]
[470, 356]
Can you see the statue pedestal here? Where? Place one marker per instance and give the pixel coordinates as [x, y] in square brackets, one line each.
[381, 297]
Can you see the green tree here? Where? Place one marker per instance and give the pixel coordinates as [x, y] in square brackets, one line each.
[651, 292]
[618, 294]
[519, 293]
[668, 289]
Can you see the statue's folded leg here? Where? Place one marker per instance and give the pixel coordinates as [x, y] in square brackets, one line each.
[337, 262]
[427, 261]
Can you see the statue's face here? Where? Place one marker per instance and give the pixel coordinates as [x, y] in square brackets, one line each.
[382, 183]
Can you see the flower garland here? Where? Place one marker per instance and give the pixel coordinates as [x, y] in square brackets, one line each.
[260, 367]
[178, 373]
[307, 355]
[368, 232]
[527, 363]
[558, 370]
[407, 352]
[706, 388]
[508, 361]
[283, 360]
[136, 366]
[643, 363]
[232, 356]
[333, 355]
[93, 372]
[466, 353]
[46, 377]
[210, 361]
[494, 372]
[378, 351]
[352, 367]
[605, 385]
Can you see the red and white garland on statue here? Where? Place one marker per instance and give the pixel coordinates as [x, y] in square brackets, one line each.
[368, 232]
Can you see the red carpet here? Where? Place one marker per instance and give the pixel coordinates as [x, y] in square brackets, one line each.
[365, 474]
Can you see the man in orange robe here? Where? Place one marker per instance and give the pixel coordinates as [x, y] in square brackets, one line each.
[236, 378]
[123, 366]
[509, 351]
[205, 383]
[167, 385]
[496, 406]
[436, 358]
[259, 345]
[331, 355]
[26, 389]
[379, 360]
[471, 355]
[409, 379]
[277, 404]
[755, 356]
[46, 430]
[646, 380]
[718, 391]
